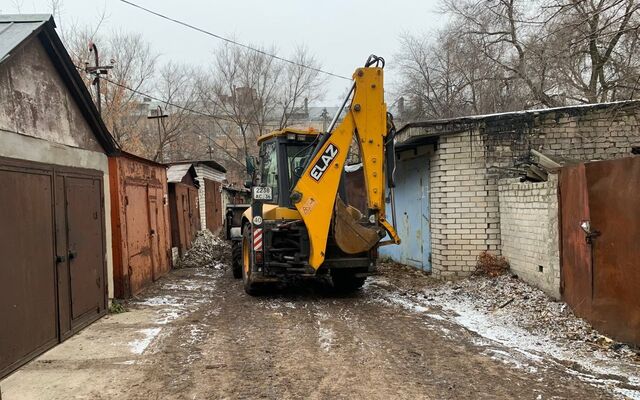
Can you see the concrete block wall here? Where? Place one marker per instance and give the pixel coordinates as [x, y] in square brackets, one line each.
[529, 231]
[464, 205]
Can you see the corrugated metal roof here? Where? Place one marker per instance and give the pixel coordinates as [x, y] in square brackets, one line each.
[15, 29]
[175, 173]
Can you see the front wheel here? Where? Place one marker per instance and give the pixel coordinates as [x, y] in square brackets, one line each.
[250, 287]
[346, 281]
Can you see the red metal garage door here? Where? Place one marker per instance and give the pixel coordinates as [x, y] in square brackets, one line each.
[52, 270]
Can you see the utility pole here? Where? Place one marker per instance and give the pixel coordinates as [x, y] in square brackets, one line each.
[159, 115]
[325, 119]
[96, 71]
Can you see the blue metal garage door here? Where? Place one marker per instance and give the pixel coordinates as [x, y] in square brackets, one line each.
[412, 212]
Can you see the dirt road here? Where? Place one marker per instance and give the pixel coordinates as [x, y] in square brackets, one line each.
[196, 335]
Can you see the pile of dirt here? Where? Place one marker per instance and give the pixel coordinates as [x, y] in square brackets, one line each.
[208, 251]
[491, 265]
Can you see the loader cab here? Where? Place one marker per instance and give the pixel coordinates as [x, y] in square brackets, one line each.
[283, 156]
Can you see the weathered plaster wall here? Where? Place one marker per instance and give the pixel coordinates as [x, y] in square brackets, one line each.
[529, 231]
[34, 100]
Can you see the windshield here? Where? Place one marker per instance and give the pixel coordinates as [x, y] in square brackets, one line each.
[296, 159]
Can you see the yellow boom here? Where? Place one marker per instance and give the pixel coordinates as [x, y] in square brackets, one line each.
[315, 193]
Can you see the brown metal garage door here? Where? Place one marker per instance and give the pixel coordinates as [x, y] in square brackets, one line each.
[52, 267]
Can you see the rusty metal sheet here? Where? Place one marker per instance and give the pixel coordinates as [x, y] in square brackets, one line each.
[139, 262]
[355, 188]
[27, 272]
[600, 274]
[614, 200]
[140, 223]
[576, 254]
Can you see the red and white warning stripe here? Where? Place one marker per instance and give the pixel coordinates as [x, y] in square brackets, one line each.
[257, 239]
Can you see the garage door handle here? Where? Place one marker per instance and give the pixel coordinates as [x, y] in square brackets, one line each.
[72, 255]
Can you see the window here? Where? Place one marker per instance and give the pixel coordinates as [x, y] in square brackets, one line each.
[296, 160]
[269, 176]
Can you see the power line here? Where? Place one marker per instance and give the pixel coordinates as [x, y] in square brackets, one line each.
[233, 41]
[188, 109]
[191, 110]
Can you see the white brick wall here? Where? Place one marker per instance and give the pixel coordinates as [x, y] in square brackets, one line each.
[206, 172]
[464, 205]
[529, 231]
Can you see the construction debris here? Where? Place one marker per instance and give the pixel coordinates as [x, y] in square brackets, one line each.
[207, 251]
[491, 265]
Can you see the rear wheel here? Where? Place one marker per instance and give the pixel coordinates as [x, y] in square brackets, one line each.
[236, 258]
[250, 287]
[346, 281]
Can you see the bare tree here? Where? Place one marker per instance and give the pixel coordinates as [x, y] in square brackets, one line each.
[450, 77]
[133, 67]
[300, 83]
[561, 50]
[173, 116]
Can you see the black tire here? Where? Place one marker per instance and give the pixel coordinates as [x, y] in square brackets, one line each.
[236, 258]
[250, 287]
[345, 281]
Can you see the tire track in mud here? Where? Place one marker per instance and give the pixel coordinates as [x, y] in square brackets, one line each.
[307, 342]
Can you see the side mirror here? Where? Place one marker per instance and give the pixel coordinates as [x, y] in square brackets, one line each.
[248, 184]
[251, 165]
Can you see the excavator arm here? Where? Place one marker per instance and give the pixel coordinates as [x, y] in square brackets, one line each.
[315, 194]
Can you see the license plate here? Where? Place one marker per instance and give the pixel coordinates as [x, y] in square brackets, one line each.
[262, 193]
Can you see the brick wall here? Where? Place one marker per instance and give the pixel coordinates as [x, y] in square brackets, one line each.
[529, 231]
[464, 205]
[467, 165]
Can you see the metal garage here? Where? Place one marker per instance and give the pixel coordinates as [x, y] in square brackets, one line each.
[140, 220]
[54, 269]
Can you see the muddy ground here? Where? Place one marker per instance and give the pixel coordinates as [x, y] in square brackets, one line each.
[196, 335]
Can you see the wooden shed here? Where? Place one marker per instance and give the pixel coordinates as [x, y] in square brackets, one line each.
[55, 273]
[140, 222]
[183, 206]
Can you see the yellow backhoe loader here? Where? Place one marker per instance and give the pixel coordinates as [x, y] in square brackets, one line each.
[299, 222]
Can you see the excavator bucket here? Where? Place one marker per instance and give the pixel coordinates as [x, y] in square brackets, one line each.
[350, 235]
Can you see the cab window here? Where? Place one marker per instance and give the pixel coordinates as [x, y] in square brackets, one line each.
[269, 176]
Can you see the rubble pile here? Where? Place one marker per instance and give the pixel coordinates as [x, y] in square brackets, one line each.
[508, 297]
[208, 251]
[491, 265]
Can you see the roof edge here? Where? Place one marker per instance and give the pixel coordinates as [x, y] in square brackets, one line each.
[471, 119]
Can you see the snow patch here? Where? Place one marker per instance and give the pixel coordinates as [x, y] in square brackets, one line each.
[326, 337]
[139, 346]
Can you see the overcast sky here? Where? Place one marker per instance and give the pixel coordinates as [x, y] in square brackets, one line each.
[341, 33]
